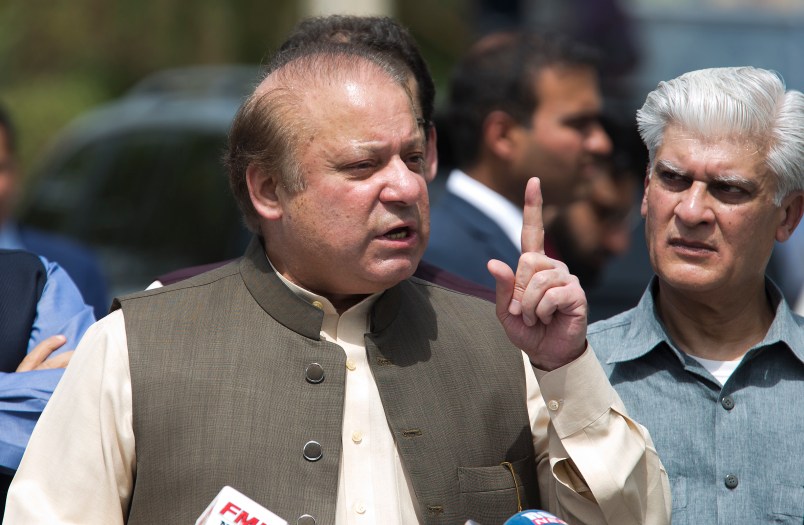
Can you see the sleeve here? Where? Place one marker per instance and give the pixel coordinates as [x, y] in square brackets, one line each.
[60, 310]
[79, 465]
[23, 396]
[595, 464]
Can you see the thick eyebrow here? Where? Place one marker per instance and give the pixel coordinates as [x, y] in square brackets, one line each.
[732, 179]
[666, 165]
[728, 178]
[413, 141]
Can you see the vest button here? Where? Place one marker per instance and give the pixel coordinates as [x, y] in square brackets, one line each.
[732, 481]
[314, 373]
[318, 304]
[312, 451]
[305, 519]
[727, 402]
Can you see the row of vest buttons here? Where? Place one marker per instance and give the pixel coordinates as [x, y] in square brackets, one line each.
[314, 373]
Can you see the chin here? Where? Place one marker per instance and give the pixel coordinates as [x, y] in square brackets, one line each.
[393, 272]
[694, 280]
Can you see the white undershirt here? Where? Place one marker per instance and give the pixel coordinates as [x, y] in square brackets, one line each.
[372, 485]
[722, 370]
[492, 204]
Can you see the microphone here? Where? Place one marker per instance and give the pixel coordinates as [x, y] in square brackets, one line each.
[533, 517]
[231, 507]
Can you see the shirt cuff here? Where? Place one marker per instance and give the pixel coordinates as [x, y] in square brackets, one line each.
[577, 393]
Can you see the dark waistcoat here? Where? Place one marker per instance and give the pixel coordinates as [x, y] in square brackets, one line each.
[223, 394]
[22, 279]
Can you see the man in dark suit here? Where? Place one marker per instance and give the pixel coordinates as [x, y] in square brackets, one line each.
[520, 106]
[78, 261]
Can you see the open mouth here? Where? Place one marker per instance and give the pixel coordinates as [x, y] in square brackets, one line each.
[398, 233]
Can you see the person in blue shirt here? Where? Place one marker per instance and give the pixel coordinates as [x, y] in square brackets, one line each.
[79, 262]
[711, 360]
[42, 318]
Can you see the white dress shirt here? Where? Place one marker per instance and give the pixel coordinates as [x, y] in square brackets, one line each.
[496, 207]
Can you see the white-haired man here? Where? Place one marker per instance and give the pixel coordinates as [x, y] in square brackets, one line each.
[712, 358]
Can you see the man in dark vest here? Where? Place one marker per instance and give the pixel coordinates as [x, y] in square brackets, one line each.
[315, 376]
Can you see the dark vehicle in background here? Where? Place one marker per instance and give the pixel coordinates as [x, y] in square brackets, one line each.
[141, 181]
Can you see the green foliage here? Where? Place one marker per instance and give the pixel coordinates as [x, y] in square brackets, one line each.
[61, 57]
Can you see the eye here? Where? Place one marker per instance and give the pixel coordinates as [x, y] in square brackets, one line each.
[672, 180]
[415, 162]
[730, 193]
[361, 168]
[582, 124]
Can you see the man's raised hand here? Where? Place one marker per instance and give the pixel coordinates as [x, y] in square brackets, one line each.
[542, 307]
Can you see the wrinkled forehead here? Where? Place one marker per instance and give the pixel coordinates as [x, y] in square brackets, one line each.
[348, 83]
[693, 138]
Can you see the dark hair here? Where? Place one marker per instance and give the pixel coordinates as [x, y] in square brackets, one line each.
[8, 125]
[380, 34]
[499, 73]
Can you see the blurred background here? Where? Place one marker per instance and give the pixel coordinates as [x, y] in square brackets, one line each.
[119, 149]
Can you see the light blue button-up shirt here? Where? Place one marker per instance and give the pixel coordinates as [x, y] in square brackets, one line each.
[734, 453]
[23, 395]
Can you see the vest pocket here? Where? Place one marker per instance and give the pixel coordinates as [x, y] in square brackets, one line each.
[492, 494]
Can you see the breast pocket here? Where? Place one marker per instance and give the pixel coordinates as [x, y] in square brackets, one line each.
[492, 494]
[788, 505]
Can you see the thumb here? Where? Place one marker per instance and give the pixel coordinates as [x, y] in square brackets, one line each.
[504, 278]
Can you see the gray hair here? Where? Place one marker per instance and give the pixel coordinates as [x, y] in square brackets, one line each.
[733, 102]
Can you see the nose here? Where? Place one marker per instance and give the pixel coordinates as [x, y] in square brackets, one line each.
[693, 206]
[597, 141]
[402, 186]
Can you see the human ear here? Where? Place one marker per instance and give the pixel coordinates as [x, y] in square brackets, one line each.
[262, 189]
[501, 134]
[643, 209]
[792, 208]
[431, 154]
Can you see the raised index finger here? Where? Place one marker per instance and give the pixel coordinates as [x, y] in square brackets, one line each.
[532, 223]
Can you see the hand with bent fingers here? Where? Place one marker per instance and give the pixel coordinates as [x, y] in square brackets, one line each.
[37, 359]
[542, 307]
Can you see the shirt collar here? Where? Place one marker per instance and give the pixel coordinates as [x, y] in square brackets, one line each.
[787, 327]
[646, 330]
[357, 313]
[297, 311]
[496, 207]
